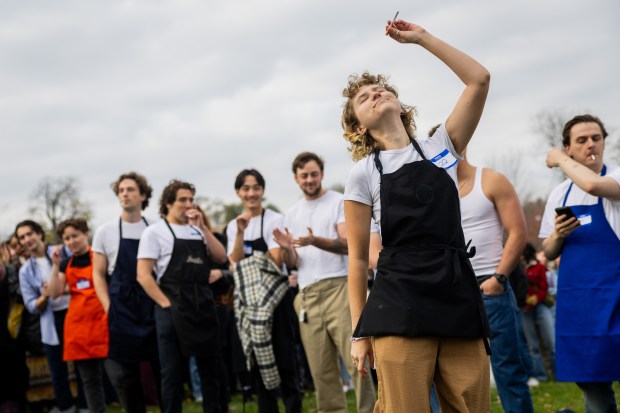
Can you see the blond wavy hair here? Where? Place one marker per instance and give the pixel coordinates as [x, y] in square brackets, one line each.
[363, 144]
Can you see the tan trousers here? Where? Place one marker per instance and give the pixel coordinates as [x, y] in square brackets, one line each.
[406, 367]
[325, 336]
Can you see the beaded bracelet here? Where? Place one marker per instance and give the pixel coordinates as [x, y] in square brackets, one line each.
[356, 339]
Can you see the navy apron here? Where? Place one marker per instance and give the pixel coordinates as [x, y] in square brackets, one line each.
[130, 316]
[284, 319]
[186, 284]
[425, 285]
[588, 300]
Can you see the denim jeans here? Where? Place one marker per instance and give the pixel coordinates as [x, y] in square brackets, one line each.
[599, 397]
[508, 367]
[542, 317]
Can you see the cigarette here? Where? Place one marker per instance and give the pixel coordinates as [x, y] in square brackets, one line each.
[593, 157]
[391, 24]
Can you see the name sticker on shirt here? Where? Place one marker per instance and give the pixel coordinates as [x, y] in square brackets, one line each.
[82, 284]
[585, 219]
[444, 159]
[247, 249]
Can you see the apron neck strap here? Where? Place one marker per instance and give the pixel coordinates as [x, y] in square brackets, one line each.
[378, 164]
[600, 200]
[170, 228]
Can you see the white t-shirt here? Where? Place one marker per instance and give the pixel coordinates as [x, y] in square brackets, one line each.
[579, 197]
[271, 221]
[107, 238]
[157, 242]
[322, 215]
[45, 270]
[363, 181]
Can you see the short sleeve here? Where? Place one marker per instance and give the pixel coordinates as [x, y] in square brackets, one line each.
[357, 187]
[149, 248]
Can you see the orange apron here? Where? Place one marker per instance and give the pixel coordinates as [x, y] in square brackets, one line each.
[86, 324]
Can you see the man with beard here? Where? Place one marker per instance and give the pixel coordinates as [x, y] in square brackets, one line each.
[130, 310]
[315, 243]
[179, 250]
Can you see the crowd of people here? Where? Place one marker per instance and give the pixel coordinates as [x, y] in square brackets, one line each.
[456, 290]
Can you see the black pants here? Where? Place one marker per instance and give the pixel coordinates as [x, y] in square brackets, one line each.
[92, 380]
[173, 366]
[126, 380]
[289, 391]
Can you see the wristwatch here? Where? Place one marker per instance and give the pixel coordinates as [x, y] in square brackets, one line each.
[500, 277]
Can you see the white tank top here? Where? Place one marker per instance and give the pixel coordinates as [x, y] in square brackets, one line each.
[482, 226]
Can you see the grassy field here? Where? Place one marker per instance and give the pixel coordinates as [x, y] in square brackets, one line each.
[548, 398]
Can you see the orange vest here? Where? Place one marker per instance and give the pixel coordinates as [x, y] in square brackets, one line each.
[86, 324]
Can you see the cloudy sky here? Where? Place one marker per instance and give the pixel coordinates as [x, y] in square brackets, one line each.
[199, 90]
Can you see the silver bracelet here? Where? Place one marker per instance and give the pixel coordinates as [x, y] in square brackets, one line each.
[356, 339]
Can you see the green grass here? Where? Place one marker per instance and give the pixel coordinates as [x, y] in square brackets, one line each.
[548, 398]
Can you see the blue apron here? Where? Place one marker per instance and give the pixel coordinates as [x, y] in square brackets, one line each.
[588, 300]
[130, 318]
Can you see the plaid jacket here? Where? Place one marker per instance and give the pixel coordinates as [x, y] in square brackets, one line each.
[259, 288]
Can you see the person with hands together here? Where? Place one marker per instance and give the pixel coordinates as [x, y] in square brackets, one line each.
[588, 293]
[424, 319]
[315, 242]
[86, 323]
[174, 262]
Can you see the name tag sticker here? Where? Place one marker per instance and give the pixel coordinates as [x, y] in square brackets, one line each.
[247, 249]
[585, 219]
[82, 284]
[444, 159]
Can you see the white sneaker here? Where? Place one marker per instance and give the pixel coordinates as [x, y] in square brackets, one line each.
[533, 382]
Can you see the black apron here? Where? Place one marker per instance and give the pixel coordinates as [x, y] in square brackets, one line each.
[186, 284]
[284, 319]
[425, 285]
[130, 316]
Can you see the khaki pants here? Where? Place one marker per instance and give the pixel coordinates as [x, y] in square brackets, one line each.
[325, 336]
[407, 366]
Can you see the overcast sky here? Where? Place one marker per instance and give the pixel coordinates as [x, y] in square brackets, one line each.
[198, 90]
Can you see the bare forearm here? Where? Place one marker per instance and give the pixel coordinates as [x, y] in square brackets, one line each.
[335, 245]
[56, 283]
[101, 288]
[290, 257]
[512, 253]
[552, 246]
[465, 67]
[237, 253]
[152, 290]
[358, 284]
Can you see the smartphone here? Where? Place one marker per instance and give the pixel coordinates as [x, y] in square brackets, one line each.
[565, 211]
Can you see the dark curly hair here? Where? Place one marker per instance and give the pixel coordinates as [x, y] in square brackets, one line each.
[363, 144]
[169, 195]
[140, 180]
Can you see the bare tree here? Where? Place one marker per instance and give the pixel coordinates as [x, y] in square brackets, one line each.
[548, 124]
[57, 199]
[511, 165]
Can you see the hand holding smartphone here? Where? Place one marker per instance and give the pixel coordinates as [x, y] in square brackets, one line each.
[565, 211]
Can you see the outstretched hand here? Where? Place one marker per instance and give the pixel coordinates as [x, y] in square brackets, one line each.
[283, 239]
[305, 241]
[404, 32]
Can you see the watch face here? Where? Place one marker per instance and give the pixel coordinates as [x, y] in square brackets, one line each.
[501, 278]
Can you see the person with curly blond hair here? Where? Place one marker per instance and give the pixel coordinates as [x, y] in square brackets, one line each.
[424, 320]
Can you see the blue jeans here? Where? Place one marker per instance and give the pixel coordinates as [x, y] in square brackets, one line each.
[542, 317]
[599, 397]
[508, 367]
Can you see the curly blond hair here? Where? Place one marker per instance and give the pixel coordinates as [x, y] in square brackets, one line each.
[363, 144]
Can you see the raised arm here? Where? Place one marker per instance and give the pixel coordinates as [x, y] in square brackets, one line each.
[57, 279]
[582, 176]
[464, 118]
